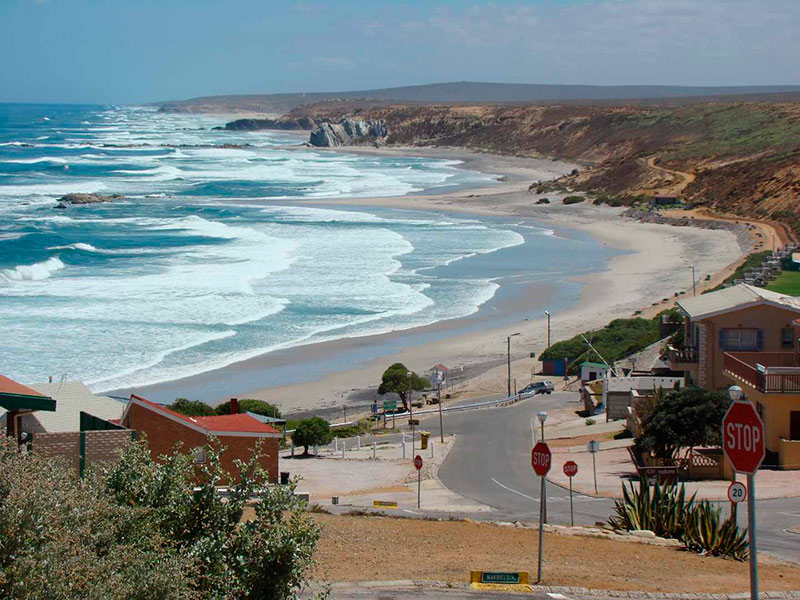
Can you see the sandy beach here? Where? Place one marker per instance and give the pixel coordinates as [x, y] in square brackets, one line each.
[652, 265]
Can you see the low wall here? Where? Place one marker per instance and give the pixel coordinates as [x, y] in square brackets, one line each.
[789, 454]
[95, 447]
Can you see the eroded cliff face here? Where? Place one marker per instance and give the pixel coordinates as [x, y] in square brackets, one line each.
[348, 132]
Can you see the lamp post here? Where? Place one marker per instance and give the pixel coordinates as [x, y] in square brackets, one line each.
[694, 281]
[508, 340]
[542, 416]
[547, 313]
[411, 409]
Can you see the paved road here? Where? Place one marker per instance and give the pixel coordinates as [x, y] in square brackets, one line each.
[490, 463]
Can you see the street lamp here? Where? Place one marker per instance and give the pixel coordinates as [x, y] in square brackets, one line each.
[542, 416]
[547, 312]
[411, 409]
[509, 362]
[735, 392]
[694, 281]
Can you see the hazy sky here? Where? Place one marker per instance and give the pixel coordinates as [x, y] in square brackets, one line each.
[149, 50]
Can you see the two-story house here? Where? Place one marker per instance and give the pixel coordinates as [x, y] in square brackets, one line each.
[747, 336]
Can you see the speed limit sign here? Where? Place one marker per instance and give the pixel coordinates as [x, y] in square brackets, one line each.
[737, 492]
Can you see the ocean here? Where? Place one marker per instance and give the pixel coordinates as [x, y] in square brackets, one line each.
[211, 258]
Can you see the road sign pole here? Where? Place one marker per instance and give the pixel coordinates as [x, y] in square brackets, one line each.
[419, 486]
[751, 534]
[594, 470]
[441, 424]
[571, 514]
[542, 496]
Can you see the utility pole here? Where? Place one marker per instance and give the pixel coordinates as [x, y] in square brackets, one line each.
[694, 281]
[508, 340]
[547, 312]
[411, 408]
[441, 424]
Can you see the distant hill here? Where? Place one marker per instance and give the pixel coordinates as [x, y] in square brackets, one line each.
[464, 92]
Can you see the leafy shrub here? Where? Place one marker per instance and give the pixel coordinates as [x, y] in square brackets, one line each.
[573, 199]
[315, 431]
[192, 408]
[141, 530]
[616, 340]
[251, 405]
[543, 201]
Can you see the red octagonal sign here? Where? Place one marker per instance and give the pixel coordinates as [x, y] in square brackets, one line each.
[541, 458]
[743, 437]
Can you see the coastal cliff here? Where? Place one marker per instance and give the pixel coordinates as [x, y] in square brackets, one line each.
[301, 124]
[348, 132]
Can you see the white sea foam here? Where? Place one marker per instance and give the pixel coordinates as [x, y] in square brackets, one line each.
[76, 246]
[33, 161]
[52, 189]
[35, 272]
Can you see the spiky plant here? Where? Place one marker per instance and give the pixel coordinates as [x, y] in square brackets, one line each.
[705, 532]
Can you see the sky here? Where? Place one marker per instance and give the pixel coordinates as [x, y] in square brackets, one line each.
[115, 51]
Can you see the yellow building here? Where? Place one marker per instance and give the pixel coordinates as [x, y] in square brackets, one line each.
[747, 336]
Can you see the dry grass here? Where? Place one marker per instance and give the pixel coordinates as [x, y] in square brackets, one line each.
[383, 548]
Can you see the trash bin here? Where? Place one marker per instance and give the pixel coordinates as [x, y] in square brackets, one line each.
[284, 477]
[423, 439]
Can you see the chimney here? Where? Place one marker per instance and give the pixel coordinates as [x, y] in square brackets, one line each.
[234, 406]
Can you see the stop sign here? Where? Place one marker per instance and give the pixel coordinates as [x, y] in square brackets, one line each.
[570, 468]
[743, 437]
[418, 462]
[541, 458]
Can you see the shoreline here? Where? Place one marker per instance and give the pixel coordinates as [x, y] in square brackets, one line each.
[651, 265]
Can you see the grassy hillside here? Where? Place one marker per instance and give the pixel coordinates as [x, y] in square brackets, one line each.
[738, 157]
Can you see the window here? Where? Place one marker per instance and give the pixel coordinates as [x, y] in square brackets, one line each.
[740, 339]
[200, 455]
[787, 337]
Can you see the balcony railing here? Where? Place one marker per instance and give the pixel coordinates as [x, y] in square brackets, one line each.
[686, 355]
[768, 372]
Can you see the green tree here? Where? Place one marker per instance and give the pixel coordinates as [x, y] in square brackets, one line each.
[312, 432]
[395, 380]
[251, 405]
[684, 419]
[192, 408]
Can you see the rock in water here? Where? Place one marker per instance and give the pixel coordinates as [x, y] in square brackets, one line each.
[348, 132]
[87, 199]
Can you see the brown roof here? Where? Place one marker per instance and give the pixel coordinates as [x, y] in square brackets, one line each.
[11, 387]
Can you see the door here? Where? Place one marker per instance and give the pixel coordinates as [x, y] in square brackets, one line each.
[794, 425]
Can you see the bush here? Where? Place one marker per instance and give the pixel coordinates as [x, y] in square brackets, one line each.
[251, 405]
[665, 511]
[543, 201]
[684, 419]
[192, 408]
[573, 199]
[616, 340]
[312, 432]
[141, 530]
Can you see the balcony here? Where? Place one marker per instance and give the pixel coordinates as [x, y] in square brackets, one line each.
[768, 372]
[683, 356]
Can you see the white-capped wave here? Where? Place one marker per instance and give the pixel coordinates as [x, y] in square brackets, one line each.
[34, 272]
[33, 161]
[76, 246]
[53, 189]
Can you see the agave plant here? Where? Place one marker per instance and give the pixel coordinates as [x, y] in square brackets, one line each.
[660, 508]
[707, 533]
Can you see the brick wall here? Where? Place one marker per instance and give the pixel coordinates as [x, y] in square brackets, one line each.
[105, 446]
[100, 446]
[66, 445]
[163, 434]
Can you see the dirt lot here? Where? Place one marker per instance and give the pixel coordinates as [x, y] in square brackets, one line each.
[358, 548]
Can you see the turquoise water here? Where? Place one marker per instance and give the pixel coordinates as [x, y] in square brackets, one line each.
[210, 259]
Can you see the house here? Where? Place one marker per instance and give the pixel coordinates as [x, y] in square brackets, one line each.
[238, 432]
[592, 370]
[747, 336]
[16, 401]
[619, 393]
[69, 422]
[439, 375]
[554, 366]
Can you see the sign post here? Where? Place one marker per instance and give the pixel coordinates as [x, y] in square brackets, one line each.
[541, 460]
[736, 493]
[743, 444]
[418, 467]
[570, 470]
[593, 447]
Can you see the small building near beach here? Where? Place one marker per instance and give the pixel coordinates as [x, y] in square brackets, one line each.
[239, 433]
[592, 370]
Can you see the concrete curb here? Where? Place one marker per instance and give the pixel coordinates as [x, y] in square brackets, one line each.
[575, 591]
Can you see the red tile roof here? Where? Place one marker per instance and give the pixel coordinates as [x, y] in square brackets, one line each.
[240, 423]
[9, 386]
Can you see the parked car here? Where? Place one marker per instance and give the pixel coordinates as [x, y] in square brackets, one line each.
[537, 387]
